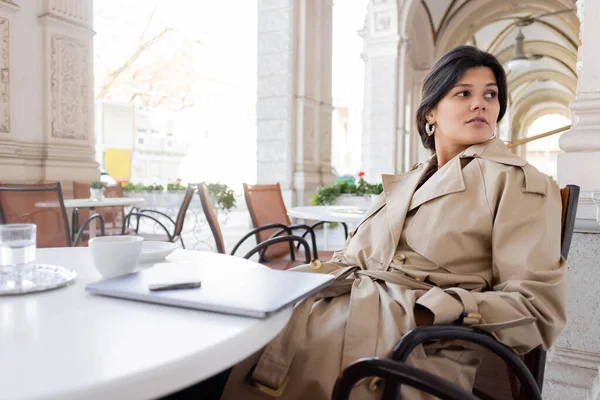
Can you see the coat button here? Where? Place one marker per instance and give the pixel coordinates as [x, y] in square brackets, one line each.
[315, 264]
[375, 383]
[399, 259]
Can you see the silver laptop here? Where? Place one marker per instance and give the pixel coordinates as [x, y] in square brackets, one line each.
[246, 291]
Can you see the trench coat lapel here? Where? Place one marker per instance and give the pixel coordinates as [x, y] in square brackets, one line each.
[398, 191]
[447, 180]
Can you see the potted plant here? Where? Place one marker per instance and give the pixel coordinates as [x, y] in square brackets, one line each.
[348, 192]
[222, 196]
[129, 188]
[97, 190]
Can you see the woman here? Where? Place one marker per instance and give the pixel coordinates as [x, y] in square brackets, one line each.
[470, 237]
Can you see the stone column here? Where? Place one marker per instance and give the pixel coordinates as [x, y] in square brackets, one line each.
[68, 124]
[417, 151]
[574, 362]
[384, 53]
[294, 96]
[47, 82]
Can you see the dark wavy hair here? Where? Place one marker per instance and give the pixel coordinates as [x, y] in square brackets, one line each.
[446, 73]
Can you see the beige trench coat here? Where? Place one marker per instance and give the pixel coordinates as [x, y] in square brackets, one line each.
[480, 237]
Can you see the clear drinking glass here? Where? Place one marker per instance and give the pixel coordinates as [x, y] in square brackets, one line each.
[17, 253]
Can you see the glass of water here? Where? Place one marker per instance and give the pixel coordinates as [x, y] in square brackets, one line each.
[17, 253]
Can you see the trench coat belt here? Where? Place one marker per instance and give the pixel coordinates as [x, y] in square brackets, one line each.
[360, 338]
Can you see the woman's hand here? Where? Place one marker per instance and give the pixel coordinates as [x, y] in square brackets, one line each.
[423, 315]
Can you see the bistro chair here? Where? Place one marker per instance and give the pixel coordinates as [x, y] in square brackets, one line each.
[267, 211]
[113, 216]
[213, 223]
[171, 235]
[497, 376]
[18, 204]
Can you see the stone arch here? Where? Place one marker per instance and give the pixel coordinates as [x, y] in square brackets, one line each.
[550, 109]
[463, 24]
[569, 82]
[549, 49]
[422, 42]
[537, 102]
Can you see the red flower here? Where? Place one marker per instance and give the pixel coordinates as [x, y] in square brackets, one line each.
[361, 174]
[178, 180]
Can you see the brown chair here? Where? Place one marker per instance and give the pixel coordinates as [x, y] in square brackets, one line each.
[113, 216]
[168, 236]
[266, 207]
[18, 205]
[497, 376]
[213, 223]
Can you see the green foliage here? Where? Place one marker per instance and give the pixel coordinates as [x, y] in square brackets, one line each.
[132, 187]
[97, 185]
[328, 194]
[222, 195]
[129, 187]
[175, 186]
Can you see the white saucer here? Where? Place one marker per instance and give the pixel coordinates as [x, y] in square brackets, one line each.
[156, 251]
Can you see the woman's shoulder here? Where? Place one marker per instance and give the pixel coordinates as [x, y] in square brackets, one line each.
[503, 168]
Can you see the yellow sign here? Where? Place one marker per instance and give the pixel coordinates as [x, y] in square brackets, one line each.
[118, 163]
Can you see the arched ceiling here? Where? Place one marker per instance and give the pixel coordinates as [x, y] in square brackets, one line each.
[492, 25]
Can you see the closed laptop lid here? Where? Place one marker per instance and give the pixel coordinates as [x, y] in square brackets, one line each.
[246, 291]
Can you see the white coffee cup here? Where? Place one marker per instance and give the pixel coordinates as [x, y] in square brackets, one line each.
[115, 255]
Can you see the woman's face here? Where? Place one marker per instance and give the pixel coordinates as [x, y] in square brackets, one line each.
[468, 113]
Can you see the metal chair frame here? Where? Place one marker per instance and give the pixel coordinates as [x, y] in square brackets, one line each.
[172, 237]
[69, 241]
[208, 209]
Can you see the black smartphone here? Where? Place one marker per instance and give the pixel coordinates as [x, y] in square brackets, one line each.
[174, 285]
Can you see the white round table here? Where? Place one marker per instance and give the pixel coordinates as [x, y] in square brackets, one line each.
[347, 214]
[92, 204]
[350, 215]
[68, 344]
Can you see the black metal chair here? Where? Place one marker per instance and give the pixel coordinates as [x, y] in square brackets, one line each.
[266, 207]
[18, 204]
[213, 223]
[169, 236]
[530, 369]
[399, 373]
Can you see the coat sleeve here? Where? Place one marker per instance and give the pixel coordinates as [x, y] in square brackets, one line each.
[526, 307]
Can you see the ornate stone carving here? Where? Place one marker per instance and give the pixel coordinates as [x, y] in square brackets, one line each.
[4, 76]
[9, 5]
[78, 12]
[69, 88]
[383, 20]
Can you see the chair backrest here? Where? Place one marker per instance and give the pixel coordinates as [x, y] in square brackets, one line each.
[570, 197]
[81, 190]
[492, 376]
[266, 206]
[211, 216]
[18, 205]
[187, 198]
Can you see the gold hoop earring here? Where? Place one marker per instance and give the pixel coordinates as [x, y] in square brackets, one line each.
[429, 128]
